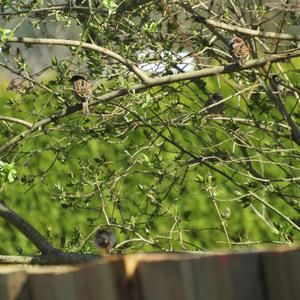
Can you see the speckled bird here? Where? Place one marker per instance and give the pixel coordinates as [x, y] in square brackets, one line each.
[239, 50]
[82, 89]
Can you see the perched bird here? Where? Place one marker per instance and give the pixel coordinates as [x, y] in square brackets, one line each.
[217, 108]
[19, 85]
[105, 240]
[277, 83]
[239, 50]
[82, 89]
[16, 84]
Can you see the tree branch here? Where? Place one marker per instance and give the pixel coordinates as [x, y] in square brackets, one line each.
[237, 29]
[123, 7]
[209, 165]
[295, 132]
[15, 120]
[275, 210]
[50, 255]
[61, 42]
[26, 229]
[152, 82]
[232, 68]
[49, 259]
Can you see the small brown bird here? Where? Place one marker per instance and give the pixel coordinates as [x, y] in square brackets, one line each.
[239, 50]
[105, 240]
[19, 85]
[214, 99]
[82, 89]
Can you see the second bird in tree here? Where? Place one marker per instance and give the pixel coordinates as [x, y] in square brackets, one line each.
[239, 50]
[218, 107]
[82, 89]
[105, 240]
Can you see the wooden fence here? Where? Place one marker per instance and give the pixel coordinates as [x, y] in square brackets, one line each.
[270, 275]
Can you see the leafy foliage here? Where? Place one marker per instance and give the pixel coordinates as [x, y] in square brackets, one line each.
[153, 165]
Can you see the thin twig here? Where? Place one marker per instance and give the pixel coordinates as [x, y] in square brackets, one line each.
[275, 210]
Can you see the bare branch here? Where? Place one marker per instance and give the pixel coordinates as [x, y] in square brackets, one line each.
[27, 230]
[241, 30]
[15, 120]
[61, 42]
[275, 210]
[295, 132]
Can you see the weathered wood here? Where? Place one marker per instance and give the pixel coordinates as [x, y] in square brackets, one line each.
[275, 275]
[265, 275]
[292, 263]
[12, 284]
[246, 276]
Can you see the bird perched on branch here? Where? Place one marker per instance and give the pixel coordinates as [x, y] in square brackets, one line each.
[214, 99]
[82, 89]
[277, 83]
[239, 50]
[105, 240]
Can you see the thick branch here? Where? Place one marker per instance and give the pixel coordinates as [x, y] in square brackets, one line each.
[223, 69]
[49, 259]
[61, 42]
[31, 233]
[50, 255]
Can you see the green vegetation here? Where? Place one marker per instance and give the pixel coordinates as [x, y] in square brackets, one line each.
[152, 165]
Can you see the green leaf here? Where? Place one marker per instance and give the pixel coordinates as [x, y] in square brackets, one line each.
[110, 5]
[8, 171]
[5, 34]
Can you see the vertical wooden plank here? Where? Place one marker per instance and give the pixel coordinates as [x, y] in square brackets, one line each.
[160, 280]
[42, 286]
[65, 286]
[120, 279]
[292, 262]
[55, 284]
[98, 281]
[150, 275]
[275, 276]
[3, 289]
[12, 285]
[224, 277]
[246, 274]
[205, 274]
[188, 277]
